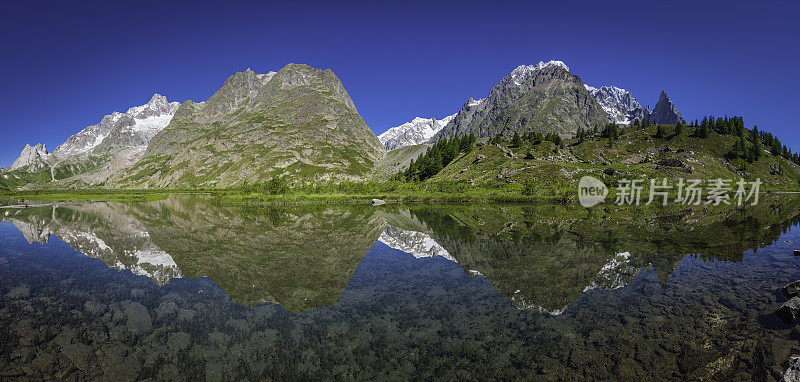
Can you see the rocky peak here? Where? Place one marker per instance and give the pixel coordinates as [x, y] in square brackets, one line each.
[32, 157]
[251, 90]
[619, 104]
[532, 75]
[135, 127]
[544, 97]
[295, 75]
[665, 112]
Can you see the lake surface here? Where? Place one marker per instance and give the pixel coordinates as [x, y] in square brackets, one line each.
[187, 288]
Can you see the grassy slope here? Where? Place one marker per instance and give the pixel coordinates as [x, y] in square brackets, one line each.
[397, 159]
[637, 154]
[500, 174]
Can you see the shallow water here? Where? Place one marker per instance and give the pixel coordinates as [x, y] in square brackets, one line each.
[188, 289]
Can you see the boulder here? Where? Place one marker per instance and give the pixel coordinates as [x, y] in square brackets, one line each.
[792, 373]
[611, 172]
[378, 202]
[791, 289]
[479, 158]
[789, 311]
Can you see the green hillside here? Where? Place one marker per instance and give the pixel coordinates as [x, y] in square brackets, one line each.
[545, 167]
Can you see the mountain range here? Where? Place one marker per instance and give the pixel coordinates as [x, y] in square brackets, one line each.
[505, 106]
[300, 124]
[418, 131]
[622, 108]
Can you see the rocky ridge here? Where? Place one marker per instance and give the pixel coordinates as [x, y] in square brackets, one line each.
[32, 158]
[543, 98]
[619, 104]
[133, 128]
[298, 123]
[665, 112]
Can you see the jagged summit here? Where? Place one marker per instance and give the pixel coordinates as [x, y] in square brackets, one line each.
[544, 98]
[134, 127]
[665, 112]
[622, 108]
[619, 104]
[33, 157]
[416, 132]
[524, 70]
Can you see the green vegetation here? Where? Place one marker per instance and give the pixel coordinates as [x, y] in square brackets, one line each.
[84, 195]
[437, 157]
[529, 167]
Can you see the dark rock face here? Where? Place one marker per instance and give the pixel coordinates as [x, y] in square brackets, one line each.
[789, 311]
[665, 112]
[543, 98]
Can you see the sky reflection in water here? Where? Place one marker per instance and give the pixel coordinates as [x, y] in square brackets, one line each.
[186, 288]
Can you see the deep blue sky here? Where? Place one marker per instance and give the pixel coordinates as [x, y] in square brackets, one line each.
[63, 66]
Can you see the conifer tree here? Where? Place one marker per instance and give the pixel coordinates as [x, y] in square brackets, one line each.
[515, 140]
[678, 129]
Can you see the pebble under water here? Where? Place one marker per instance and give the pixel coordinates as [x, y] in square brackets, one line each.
[475, 293]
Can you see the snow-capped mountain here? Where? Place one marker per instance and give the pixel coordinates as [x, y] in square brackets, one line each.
[519, 74]
[619, 104]
[125, 244]
[416, 132]
[34, 157]
[622, 108]
[136, 127]
[419, 244]
[544, 98]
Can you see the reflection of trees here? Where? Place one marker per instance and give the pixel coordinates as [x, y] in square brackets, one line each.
[546, 255]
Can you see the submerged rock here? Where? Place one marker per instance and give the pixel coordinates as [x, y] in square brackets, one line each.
[792, 289]
[139, 320]
[792, 373]
[788, 312]
[21, 291]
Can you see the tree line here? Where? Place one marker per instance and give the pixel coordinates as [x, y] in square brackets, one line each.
[436, 158]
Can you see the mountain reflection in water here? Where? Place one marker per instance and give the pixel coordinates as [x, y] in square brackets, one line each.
[542, 258]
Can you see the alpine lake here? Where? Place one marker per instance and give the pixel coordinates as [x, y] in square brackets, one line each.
[186, 288]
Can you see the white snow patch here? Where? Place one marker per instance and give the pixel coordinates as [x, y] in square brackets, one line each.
[416, 132]
[524, 70]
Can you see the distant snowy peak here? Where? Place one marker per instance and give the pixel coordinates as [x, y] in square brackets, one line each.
[619, 104]
[140, 122]
[416, 132]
